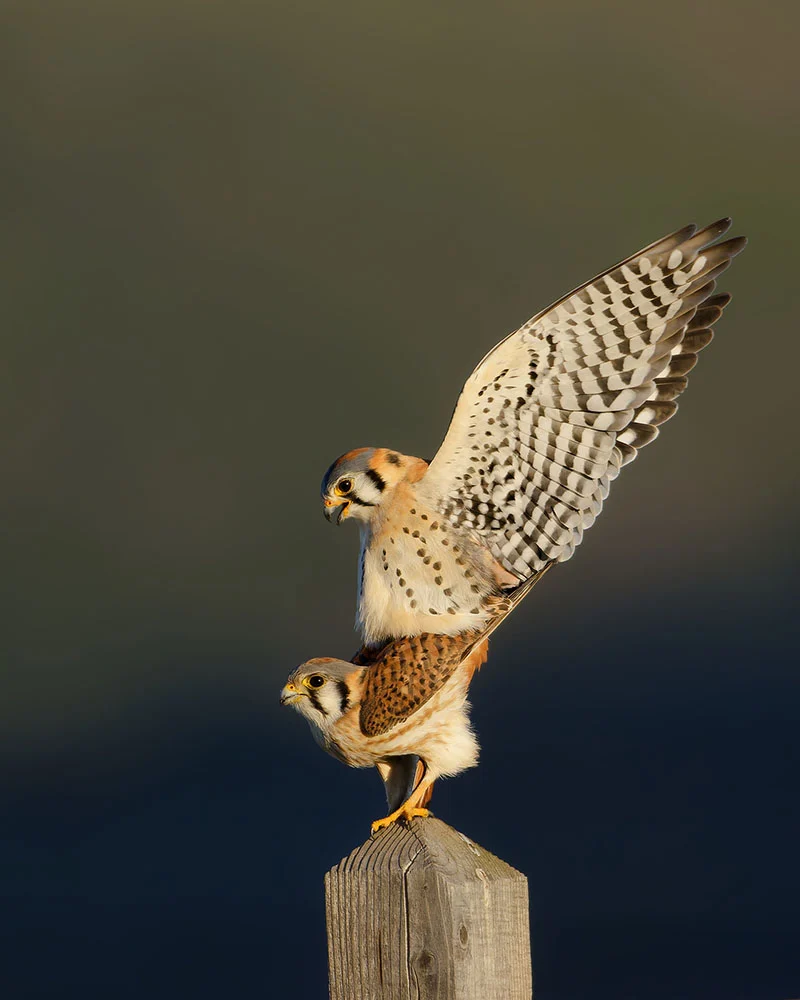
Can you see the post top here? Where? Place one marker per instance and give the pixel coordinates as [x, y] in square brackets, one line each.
[433, 844]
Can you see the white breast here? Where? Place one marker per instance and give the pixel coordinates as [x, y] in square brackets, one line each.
[418, 575]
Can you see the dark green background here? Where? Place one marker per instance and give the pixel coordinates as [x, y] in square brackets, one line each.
[239, 239]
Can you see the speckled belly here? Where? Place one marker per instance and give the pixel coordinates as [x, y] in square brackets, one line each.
[420, 575]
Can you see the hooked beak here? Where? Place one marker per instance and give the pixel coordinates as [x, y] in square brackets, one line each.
[336, 509]
[290, 694]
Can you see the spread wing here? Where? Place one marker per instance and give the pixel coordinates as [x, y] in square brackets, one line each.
[551, 414]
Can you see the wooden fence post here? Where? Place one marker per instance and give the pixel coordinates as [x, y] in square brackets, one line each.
[422, 913]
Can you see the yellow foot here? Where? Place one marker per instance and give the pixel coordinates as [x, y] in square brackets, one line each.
[404, 814]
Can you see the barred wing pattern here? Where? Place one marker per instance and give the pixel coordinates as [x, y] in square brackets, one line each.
[547, 419]
[404, 674]
[407, 674]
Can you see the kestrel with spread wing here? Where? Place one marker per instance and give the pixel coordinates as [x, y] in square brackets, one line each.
[542, 427]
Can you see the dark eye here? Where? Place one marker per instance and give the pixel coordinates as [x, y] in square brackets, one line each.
[315, 681]
[344, 486]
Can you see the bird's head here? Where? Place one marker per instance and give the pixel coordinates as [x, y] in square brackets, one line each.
[322, 690]
[360, 481]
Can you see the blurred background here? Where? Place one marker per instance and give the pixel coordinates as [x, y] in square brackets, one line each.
[240, 239]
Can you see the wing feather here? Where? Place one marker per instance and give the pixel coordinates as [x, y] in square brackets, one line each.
[406, 673]
[553, 412]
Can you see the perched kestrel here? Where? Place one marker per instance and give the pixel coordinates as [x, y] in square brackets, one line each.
[402, 708]
[542, 427]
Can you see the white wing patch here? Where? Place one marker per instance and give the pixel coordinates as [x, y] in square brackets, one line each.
[548, 418]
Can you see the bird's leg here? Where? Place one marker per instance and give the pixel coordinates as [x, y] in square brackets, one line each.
[427, 796]
[411, 807]
[405, 813]
[401, 775]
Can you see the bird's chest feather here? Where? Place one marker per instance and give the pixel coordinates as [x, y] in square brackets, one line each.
[419, 575]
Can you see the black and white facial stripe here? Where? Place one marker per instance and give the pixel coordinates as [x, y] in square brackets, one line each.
[366, 489]
[331, 699]
[344, 696]
[376, 479]
[317, 703]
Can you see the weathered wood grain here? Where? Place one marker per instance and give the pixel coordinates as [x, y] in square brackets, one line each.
[423, 913]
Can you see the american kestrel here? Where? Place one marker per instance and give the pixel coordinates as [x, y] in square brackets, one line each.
[402, 708]
[542, 427]
[448, 549]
